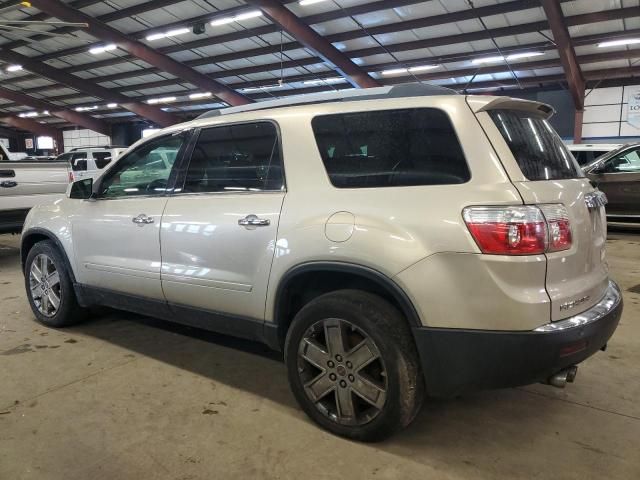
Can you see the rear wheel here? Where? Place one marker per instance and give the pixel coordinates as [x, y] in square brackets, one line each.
[353, 366]
[49, 287]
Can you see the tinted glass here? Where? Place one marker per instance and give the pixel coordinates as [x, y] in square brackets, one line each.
[145, 171]
[390, 148]
[236, 158]
[537, 148]
[102, 159]
[65, 157]
[584, 157]
[628, 162]
[77, 161]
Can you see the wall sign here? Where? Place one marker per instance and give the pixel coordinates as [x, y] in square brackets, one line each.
[633, 106]
[28, 143]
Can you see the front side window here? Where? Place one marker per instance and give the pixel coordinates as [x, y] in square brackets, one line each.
[628, 162]
[390, 148]
[145, 171]
[537, 148]
[244, 157]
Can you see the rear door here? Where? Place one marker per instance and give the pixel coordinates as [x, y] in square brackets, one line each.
[619, 178]
[545, 172]
[219, 231]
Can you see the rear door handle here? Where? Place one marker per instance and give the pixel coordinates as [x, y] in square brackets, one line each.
[7, 173]
[8, 184]
[142, 219]
[254, 221]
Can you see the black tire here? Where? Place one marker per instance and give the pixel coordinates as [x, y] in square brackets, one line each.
[369, 315]
[68, 311]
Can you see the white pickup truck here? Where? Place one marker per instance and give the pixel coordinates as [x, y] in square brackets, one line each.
[25, 184]
[5, 154]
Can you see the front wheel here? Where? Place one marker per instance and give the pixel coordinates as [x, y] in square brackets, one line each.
[353, 365]
[49, 287]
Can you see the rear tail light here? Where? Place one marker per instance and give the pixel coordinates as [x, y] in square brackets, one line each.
[71, 177]
[519, 230]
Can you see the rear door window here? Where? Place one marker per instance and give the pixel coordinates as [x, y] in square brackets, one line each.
[102, 159]
[539, 151]
[390, 148]
[626, 162]
[79, 162]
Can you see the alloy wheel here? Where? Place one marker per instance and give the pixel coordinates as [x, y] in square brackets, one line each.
[342, 372]
[45, 286]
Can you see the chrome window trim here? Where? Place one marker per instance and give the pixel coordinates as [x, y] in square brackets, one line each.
[609, 302]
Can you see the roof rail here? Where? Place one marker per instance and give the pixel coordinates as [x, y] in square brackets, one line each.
[348, 95]
[106, 147]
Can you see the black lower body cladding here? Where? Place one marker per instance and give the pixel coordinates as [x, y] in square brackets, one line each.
[458, 361]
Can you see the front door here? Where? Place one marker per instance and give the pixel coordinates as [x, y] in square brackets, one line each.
[619, 178]
[219, 230]
[117, 235]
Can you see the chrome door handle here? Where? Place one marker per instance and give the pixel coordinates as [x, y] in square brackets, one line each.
[254, 221]
[142, 219]
[8, 184]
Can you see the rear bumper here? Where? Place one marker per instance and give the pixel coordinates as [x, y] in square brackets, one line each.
[456, 361]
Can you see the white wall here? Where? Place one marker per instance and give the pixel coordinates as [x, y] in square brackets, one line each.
[605, 114]
[83, 138]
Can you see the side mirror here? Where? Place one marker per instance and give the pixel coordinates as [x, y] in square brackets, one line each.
[82, 189]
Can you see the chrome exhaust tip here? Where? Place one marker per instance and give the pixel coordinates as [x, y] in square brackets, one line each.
[560, 379]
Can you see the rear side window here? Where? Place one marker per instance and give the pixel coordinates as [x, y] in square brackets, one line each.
[243, 157]
[79, 162]
[537, 148]
[390, 148]
[102, 159]
[584, 157]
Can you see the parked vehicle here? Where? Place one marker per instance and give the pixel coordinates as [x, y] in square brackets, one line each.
[586, 153]
[90, 161]
[6, 155]
[618, 175]
[392, 242]
[26, 183]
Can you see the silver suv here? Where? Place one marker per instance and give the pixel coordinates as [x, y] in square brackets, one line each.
[392, 242]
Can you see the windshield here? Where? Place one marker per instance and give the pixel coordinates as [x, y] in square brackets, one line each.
[539, 151]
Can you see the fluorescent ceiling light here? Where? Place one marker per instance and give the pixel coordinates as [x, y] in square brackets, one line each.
[153, 101]
[618, 43]
[237, 18]
[85, 109]
[309, 2]
[46, 112]
[170, 33]
[102, 49]
[195, 96]
[14, 68]
[513, 56]
[112, 105]
[28, 114]
[257, 89]
[322, 81]
[398, 71]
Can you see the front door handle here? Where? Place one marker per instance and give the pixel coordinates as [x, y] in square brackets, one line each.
[142, 219]
[8, 184]
[254, 221]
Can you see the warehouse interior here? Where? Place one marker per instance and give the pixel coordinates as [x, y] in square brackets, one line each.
[125, 396]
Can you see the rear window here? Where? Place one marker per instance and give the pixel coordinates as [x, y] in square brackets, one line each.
[390, 148]
[79, 162]
[102, 159]
[537, 148]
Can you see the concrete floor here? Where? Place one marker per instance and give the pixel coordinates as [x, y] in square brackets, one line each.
[123, 397]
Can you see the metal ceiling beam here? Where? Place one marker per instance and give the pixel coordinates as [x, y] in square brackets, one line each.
[570, 65]
[71, 116]
[109, 34]
[30, 126]
[150, 112]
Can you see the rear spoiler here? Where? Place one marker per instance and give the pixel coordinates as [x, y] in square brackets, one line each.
[479, 103]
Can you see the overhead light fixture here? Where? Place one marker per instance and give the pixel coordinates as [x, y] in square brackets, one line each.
[112, 105]
[28, 115]
[618, 43]
[195, 96]
[258, 89]
[86, 109]
[399, 71]
[102, 49]
[154, 101]
[170, 33]
[14, 68]
[500, 58]
[46, 112]
[309, 2]
[236, 18]
[322, 81]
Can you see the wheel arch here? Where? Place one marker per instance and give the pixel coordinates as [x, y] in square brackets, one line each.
[302, 283]
[36, 235]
